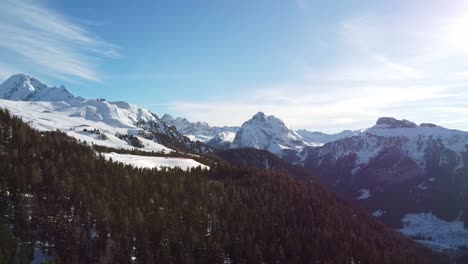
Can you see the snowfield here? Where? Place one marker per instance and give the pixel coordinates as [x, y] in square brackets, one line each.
[435, 233]
[74, 118]
[95, 121]
[153, 162]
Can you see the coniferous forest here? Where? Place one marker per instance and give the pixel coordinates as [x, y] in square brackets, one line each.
[61, 199]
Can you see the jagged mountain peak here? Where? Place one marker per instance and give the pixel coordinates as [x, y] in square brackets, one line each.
[20, 77]
[272, 122]
[259, 116]
[167, 118]
[391, 122]
[267, 132]
[22, 87]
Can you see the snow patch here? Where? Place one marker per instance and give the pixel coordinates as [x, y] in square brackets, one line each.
[435, 233]
[50, 116]
[153, 162]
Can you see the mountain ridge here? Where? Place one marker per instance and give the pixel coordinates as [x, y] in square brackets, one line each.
[96, 121]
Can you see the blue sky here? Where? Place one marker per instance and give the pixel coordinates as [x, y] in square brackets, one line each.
[320, 65]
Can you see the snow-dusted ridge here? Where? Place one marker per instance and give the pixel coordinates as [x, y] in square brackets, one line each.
[409, 139]
[81, 118]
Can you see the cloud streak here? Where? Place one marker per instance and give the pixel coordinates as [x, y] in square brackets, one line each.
[51, 42]
[328, 110]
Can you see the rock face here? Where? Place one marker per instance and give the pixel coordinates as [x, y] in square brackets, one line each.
[405, 167]
[390, 122]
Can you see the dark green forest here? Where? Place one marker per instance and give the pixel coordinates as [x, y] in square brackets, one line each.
[61, 199]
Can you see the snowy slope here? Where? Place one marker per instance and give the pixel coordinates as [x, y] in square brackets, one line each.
[436, 233]
[111, 124]
[79, 118]
[153, 162]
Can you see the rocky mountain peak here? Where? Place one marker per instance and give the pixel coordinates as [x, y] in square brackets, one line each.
[22, 87]
[390, 122]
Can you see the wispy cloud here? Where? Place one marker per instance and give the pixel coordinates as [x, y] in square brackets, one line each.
[409, 64]
[50, 41]
[321, 109]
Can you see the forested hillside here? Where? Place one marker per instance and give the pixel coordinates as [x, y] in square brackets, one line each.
[61, 201]
[258, 158]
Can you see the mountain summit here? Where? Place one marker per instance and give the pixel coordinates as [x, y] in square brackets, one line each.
[21, 87]
[267, 132]
[390, 122]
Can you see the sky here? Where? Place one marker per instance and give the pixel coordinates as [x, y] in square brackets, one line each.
[318, 65]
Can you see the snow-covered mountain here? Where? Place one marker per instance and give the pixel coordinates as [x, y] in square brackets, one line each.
[200, 131]
[21, 87]
[267, 133]
[396, 168]
[421, 146]
[110, 124]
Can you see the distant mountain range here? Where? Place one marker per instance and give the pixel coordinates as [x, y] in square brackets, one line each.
[260, 132]
[397, 168]
[410, 176]
[200, 131]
